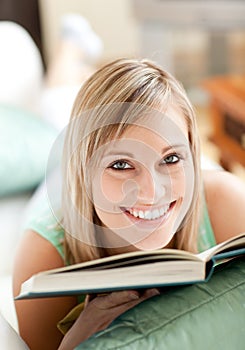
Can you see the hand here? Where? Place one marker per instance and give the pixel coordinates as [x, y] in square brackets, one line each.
[100, 311]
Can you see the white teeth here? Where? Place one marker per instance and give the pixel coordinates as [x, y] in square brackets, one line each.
[155, 214]
[135, 213]
[141, 214]
[162, 211]
[149, 214]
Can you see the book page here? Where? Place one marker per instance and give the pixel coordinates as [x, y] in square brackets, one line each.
[232, 243]
[132, 258]
[83, 282]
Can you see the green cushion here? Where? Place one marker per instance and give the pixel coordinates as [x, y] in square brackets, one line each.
[203, 316]
[25, 142]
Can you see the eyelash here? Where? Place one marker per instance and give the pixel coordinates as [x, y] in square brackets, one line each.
[129, 167]
[120, 161]
[172, 156]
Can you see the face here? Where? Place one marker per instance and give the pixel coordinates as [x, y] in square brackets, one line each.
[143, 186]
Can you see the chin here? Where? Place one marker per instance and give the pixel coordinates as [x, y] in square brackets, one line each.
[150, 244]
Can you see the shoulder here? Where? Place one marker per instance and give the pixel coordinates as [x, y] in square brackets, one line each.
[34, 254]
[47, 226]
[225, 195]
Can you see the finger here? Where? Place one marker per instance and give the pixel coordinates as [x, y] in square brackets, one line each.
[148, 293]
[115, 299]
[88, 298]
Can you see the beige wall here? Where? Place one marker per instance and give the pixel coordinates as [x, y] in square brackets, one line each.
[114, 21]
[111, 19]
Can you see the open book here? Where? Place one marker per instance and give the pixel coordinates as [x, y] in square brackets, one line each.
[144, 269]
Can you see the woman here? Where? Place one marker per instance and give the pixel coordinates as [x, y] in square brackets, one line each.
[131, 181]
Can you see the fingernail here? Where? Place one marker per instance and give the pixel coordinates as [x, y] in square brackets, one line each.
[157, 291]
[134, 296]
[154, 291]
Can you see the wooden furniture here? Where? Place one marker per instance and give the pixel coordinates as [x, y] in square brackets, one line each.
[228, 118]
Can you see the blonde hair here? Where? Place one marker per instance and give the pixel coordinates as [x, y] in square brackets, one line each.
[124, 81]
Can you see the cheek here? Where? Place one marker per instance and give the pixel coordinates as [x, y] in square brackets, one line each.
[112, 189]
[111, 219]
[107, 192]
[178, 184]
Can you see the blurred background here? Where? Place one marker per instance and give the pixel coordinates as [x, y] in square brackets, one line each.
[49, 47]
[196, 40]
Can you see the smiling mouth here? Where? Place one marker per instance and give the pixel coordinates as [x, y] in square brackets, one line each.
[149, 215]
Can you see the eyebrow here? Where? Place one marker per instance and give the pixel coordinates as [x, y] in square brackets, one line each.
[116, 153]
[128, 154]
[168, 148]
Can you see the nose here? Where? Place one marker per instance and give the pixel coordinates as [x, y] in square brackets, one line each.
[152, 186]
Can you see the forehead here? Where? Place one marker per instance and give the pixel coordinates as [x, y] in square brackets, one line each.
[169, 127]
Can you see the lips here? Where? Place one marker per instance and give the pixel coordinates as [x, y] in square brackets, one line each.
[149, 216]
